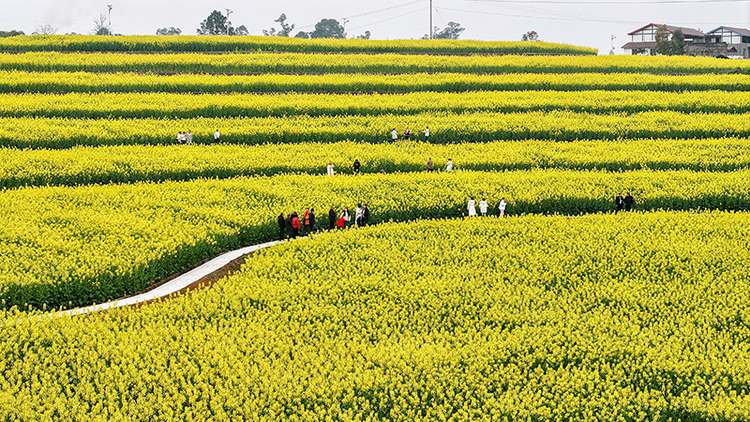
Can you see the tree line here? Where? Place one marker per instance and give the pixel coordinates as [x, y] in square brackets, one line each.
[218, 24]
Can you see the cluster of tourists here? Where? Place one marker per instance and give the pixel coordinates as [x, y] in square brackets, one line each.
[407, 134]
[185, 137]
[292, 225]
[484, 207]
[627, 202]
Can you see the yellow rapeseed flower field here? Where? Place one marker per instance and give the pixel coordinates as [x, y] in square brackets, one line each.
[606, 317]
[64, 82]
[357, 63]
[64, 246]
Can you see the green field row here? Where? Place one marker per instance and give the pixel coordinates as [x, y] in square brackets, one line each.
[161, 105]
[30, 132]
[220, 43]
[67, 82]
[363, 63]
[62, 246]
[635, 317]
[134, 163]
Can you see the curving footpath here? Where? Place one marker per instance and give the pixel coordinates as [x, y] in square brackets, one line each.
[175, 285]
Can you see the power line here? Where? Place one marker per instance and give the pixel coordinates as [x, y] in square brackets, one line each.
[604, 3]
[390, 19]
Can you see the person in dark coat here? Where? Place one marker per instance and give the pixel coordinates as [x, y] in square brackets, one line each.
[629, 202]
[356, 166]
[289, 226]
[311, 219]
[282, 226]
[366, 216]
[331, 218]
[619, 202]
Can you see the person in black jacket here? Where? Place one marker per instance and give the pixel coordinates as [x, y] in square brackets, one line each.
[282, 227]
[618, 203]
[289, 225]
[629, 202]
[356, 166]
[331, 218]
[366, 216]
[311, 219]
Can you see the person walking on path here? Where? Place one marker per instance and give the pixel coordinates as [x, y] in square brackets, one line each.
[329, 168]
[217, 136]
[311, 219]
[449, 166]
[629, 202]
[619, 202]
[282, 226]
[407, 134]
[483, 207]
[189, 138]
[394, 134]
[426, 132]
[471, 206]
[359, 215]
[346, 216]
[306, 222]
[502, 206]
[289, 226]
[430, 165]
[331, 218]
[356, 166]
[366, 215]
[295, 225]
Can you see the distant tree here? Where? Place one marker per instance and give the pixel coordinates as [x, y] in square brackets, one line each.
[13, 33]
[530, 36]
[678, 42]
[451, 32]
[365, 36]
[286, 29]
[169, 31]
[663, 40]
[240, 30]
[302, 34]
[45, 29]
[100, 26]
[214, 24]
[217, 24]
[328, 28]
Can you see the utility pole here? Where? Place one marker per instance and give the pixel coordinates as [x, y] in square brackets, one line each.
[229, 12]
[109, 17]
[430, 20]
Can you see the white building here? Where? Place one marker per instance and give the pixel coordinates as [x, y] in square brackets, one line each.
[737, 40]
[643, 40]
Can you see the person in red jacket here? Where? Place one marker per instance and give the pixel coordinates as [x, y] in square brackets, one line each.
[295, 225]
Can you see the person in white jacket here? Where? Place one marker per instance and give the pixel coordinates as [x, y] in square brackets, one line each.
[483, 207]
[359, 216]
[471, 206]
[449, 166]
[329, 168]
[502, 206]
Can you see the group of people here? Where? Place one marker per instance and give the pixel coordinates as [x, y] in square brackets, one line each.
[407, 134]
[185, 137]
[626, 202]
[484, 207]
[431, 165]
[291, 226]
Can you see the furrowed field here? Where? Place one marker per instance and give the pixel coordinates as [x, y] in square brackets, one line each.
[562, 311]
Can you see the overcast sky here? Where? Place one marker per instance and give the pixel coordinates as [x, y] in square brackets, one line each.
[579, 22]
